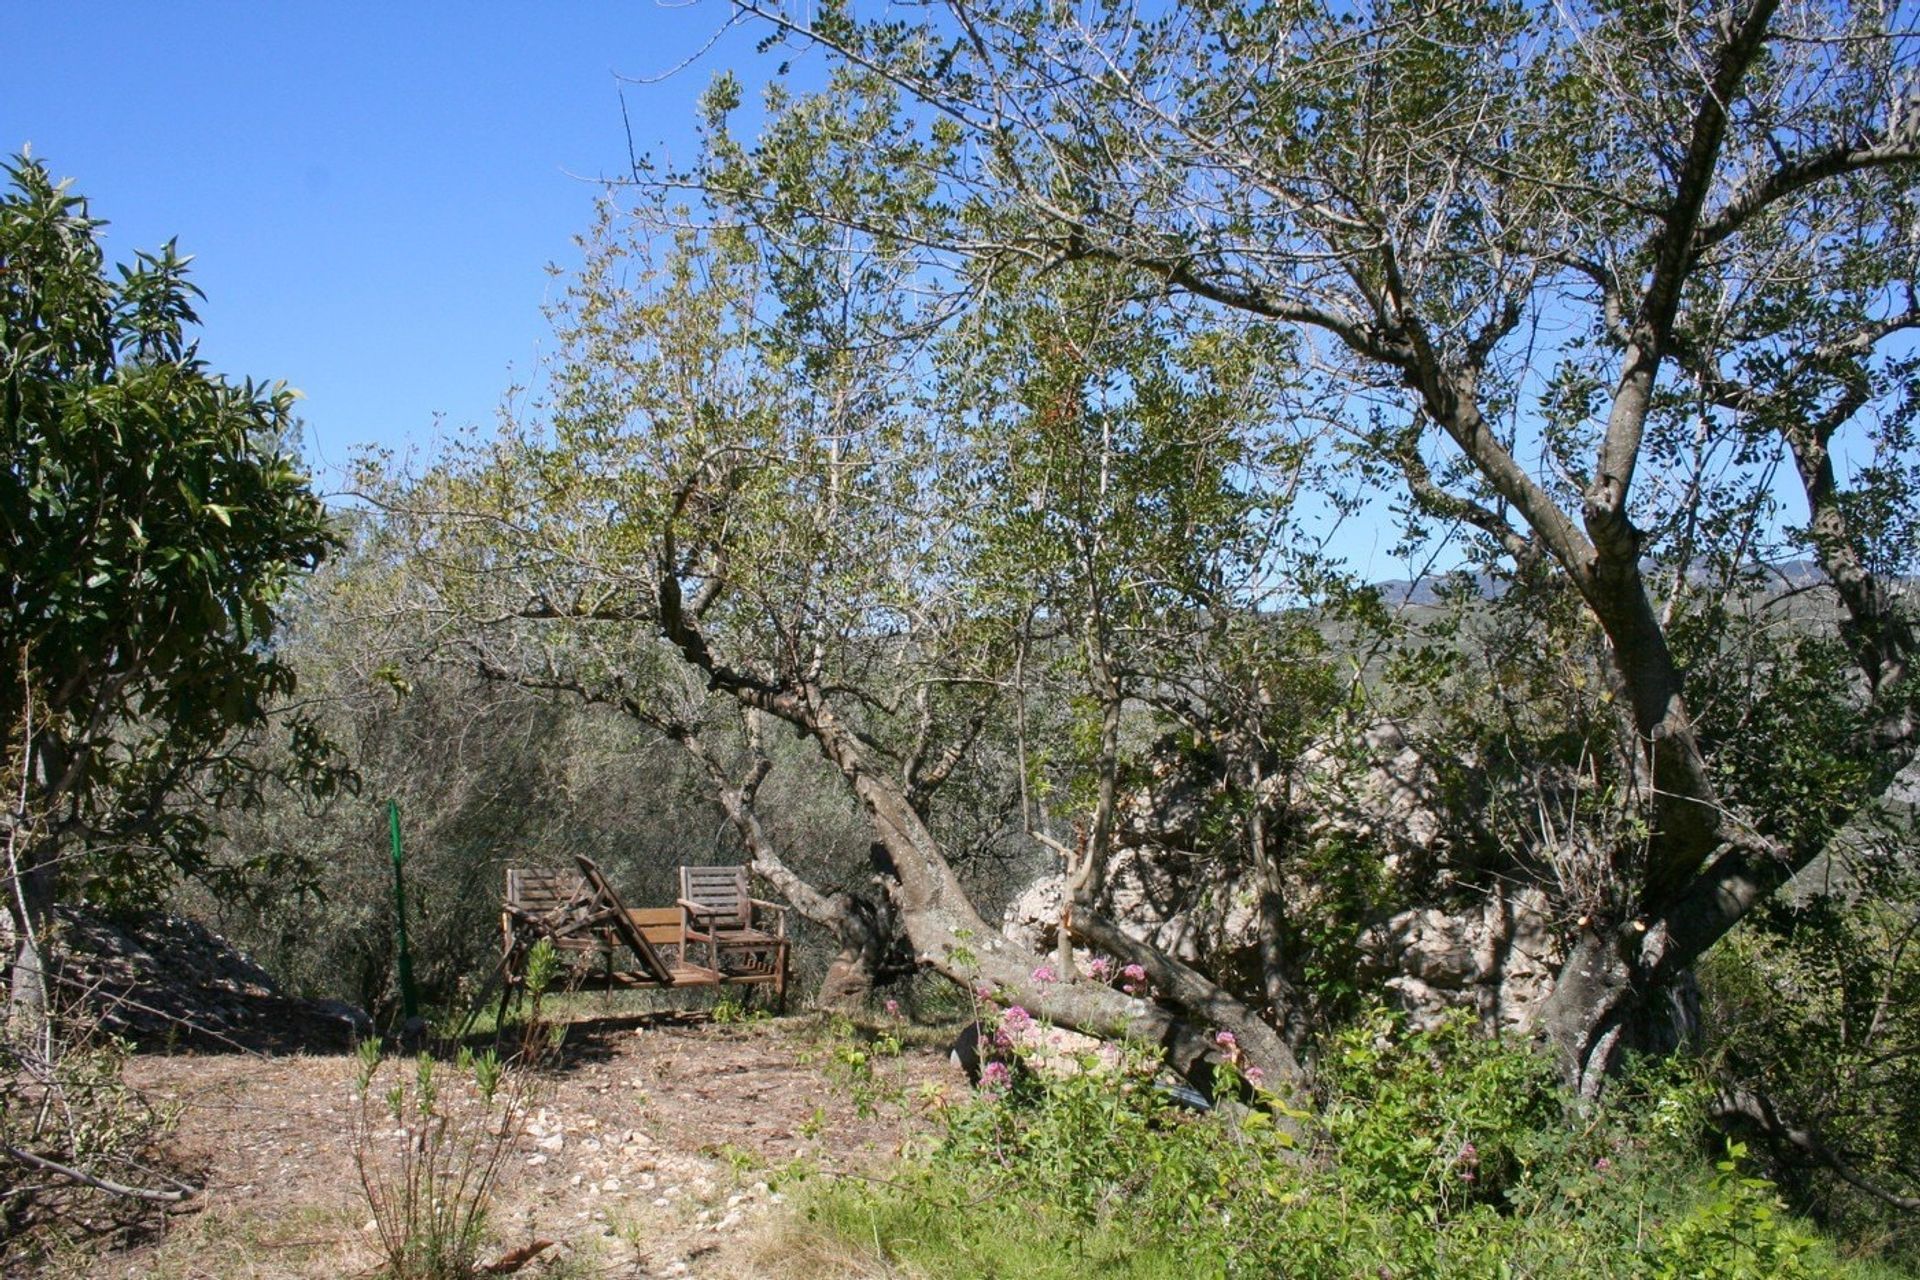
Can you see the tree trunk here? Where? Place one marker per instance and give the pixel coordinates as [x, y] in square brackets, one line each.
[949, 936]
[871, 952]
[940, 921]
[30, 909]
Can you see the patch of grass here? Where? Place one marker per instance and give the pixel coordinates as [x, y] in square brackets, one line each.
[1434, 1156]
[934, 1227]
[237, 1240]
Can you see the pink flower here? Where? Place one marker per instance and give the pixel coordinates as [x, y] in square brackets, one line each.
[893, 1008]
[1100, 968]
[1134, 973]
[983, 991]
[1469, 1154]
[1002, 1039]
[1602, 1165]
[1016, 1019]
[1045, 974]
[996, 1075]
[1255, 1075]
[1224, 1039]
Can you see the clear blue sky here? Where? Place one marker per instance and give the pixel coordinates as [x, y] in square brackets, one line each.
[372, 192]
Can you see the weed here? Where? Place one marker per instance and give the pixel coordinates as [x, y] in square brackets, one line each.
[430, 1148]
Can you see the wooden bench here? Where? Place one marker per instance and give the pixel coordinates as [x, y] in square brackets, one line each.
[742, 939]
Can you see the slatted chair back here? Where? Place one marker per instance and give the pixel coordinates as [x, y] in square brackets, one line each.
[721, 893]
[553, 903]
[537, 890]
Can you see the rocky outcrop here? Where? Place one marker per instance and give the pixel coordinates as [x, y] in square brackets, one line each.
[1497, 958]
[1185, 906]
[1495, 952]
[1382, 791]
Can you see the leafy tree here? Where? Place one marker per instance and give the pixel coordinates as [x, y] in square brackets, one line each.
[1588, 280]
[1132, 485]
[150, 522]
[745, 474]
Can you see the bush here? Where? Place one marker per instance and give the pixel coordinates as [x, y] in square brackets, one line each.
[1433, 1154]
[430, 1149]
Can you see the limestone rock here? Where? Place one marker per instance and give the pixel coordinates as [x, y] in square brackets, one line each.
[1498, 959]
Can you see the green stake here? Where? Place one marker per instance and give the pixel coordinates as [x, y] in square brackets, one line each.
[409, 1002]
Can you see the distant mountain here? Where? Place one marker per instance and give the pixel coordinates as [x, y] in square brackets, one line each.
[1782, 575]
[1433, 587]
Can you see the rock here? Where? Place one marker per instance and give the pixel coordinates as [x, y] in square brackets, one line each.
[1499, 960]
[1385, 793]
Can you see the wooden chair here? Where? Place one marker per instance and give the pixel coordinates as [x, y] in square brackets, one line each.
[743, 935]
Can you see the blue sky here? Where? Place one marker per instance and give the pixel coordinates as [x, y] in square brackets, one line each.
[372, 192]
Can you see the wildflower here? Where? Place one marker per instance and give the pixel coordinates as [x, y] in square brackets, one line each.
[995, 1075]
[1224, 1039]
[1045, 974]
[1134, 973]
[1100, 968]
[1602, 1165]
[1016, 1019]
[1255, 1075]
[983, 991]
[893, 1008]
[1469, 1154]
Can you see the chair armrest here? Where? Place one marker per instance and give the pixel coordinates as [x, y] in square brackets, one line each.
[779, 912]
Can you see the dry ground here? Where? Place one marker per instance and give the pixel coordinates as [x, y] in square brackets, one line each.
[659, 1147]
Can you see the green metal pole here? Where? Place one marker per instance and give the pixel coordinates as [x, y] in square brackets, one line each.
[409, 1002]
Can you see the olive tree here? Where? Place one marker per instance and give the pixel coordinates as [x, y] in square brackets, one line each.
[1605, 285]
[752, 468]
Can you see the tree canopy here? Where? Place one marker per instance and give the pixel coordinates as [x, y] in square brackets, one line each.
[152, 518]
[1586, 282]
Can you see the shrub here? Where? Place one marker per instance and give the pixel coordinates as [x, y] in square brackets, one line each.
[430, 1149]
[1434, 1154]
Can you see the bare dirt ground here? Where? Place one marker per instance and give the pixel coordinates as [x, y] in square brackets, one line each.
[661, 1145]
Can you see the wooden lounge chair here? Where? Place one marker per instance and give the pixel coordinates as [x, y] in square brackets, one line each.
[616, 915]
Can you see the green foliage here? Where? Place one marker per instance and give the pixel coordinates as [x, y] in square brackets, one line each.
[150, 522]
[1437, 1121]
[1791, 737]
[855, 1061]
[1739, 1232]
[733, 1010]
[430, 1149]
[1816, 1009]
[1345, 887]
[1437, 1155]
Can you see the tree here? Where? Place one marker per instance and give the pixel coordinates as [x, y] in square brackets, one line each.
[1133, 504]
[151, 521]
[746, 476]
[1587, 274]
